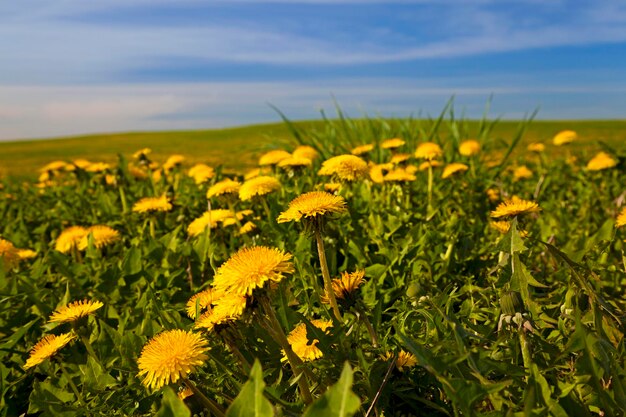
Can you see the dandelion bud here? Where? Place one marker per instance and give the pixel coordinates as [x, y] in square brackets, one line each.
[511, 303]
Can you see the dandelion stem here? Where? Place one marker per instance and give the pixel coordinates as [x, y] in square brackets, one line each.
[88, 346]
[526, 357]
[281, 338]
[368, 325]
[229, 339]
[430, 188]
[151, 221]
[72, 385]
[208, 403]
[325, 274]
[123, 199]
[268, 212]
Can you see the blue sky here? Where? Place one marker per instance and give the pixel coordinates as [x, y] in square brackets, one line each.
[78, 66]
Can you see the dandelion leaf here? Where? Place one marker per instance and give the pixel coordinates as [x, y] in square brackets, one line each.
[250, 402]
[172, 406]
[338, 401]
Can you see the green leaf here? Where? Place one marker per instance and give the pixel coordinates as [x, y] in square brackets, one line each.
[132, 262]
[511, 242]
[604, 233]
[95, 377]
[172, 406]
[47, 398]
[14, 338]
[250, 402]
[338, 401]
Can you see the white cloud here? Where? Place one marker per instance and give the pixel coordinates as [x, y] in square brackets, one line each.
[45, 111]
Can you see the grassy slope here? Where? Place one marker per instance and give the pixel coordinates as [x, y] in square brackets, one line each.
[238, 147]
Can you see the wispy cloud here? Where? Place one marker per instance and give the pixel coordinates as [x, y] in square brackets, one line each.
[62, 110]
[64, 48]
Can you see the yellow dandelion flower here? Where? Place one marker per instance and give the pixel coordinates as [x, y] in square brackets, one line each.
[345, 167]
[621, 218]
[305, 151]
[392, 143]
[501, 226]
[469, 147]
[514, 207]
[311, 205]
[293, 162]
[169, 356]
[399, 175]
[74, 311]
[208, 219]
[564, 137]
[303, 348]
[273, 157]
[173, 161]
[228, 308]
[150, 204]
[98, 167]
[377, 172]
[80, 163]
[332, 187]
[493, 194]
[69, 238]
[536, 147]
[412, 169]
[44, 177]
[200, 301]
[54, 166]
[349, 282]
[230, 304]
[137, 173]
[110, 179]
[429, 164]
[26, 253]
[157, 176]
[399, 158]
[428, 151]
[504, 226]
[247, 228]
[453, 168]
[360, 150]
[201, 173]
[251, 268]
[522, 172]
[102, 236]
[601, 161]
[244, 213]
[255, 172]
[185, 393]
[257, 187]
[8, 254]
[231, 221]
[404, 360]
[142, 153]
[47, 348]
[226, 186]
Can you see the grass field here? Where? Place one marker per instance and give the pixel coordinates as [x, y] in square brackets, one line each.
[237, 148]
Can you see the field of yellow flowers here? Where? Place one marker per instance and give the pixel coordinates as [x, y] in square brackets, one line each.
[367, 270]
